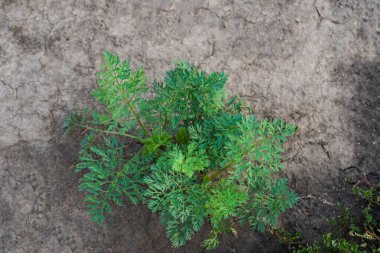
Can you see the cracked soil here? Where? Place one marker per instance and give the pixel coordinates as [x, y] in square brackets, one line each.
[312, 62]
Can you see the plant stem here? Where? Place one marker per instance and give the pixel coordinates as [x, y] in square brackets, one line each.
[130, 106]
[110, 132]
[232, 163]
[373, 234]
[165, 121]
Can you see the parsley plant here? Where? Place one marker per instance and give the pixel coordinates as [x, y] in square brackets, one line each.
[195, 155]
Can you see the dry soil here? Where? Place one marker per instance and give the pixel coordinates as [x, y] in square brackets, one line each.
[312, 62]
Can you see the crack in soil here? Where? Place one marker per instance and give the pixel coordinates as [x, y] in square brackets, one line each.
[321, 144]
[321, 17]
[357, 167]
[212, 53]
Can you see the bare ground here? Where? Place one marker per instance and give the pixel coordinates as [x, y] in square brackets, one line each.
[315, 63]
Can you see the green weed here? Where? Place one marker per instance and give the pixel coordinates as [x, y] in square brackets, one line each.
[203, 157]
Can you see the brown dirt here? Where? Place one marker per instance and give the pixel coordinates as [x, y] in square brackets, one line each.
[315, 63]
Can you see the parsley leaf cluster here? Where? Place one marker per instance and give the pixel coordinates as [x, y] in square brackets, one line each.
[183, 148]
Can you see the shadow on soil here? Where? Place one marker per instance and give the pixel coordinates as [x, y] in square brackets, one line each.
[311, 214]
[366, 117]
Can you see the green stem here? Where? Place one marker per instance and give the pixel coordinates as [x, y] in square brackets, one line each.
[165, 121]
[110, 132]
[233, 163]
[130, 106]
